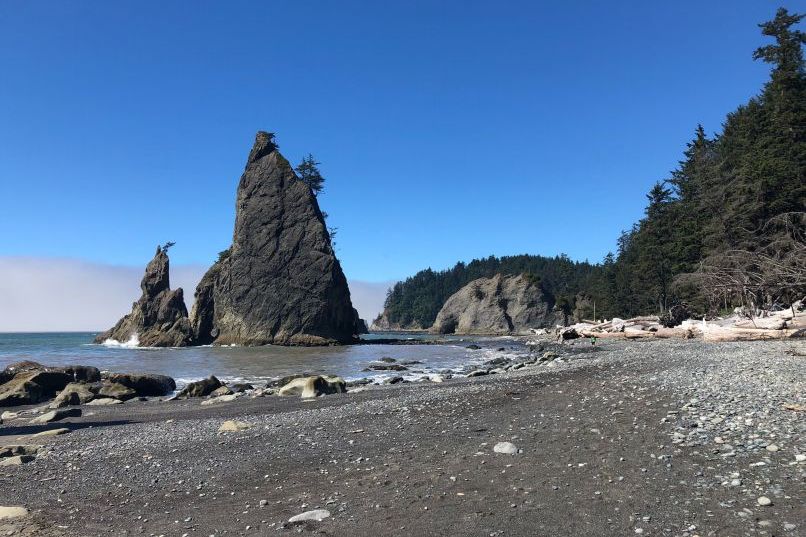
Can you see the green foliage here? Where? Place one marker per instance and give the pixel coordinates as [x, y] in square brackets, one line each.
[308, 172]
[224, 254]
[721, 197]
[418, 299]
[725, 189]
[167, 246]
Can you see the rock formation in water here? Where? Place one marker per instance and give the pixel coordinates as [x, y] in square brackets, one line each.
[497, 305]
[159, 318]
[280, 281]
[383, 324]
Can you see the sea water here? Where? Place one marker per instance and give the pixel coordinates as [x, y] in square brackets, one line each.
[257, 364]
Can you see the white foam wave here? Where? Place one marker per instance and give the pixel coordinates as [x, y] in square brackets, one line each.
[132, 343]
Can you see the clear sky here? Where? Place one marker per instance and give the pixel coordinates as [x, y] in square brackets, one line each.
[447, 130]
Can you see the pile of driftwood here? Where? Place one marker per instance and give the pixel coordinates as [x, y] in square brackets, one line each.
[788, 323]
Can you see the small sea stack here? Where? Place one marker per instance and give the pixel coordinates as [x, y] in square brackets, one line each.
[159, 318]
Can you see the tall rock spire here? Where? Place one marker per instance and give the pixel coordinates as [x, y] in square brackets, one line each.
[280, 281]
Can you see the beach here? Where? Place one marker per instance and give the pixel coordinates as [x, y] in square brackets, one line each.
[650, 438]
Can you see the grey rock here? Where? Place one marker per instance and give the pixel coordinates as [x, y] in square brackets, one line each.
[280, 281]
[145, 385]
[497, 305]
[17, 460]
[116, 391]
[507, 448]
[200, 388]
[317, 515]
[57, 415]
[31, 387]
[159, 318]
[75, 393]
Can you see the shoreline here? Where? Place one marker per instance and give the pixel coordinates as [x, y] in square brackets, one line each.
[418, 459]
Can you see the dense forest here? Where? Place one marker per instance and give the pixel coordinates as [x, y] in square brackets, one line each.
[725, 229]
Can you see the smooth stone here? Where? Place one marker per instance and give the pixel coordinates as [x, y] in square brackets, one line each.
[800, 457]
[7, 512]
[17, 460]
[51, 432]
[317, 515]
[8, 415]
[763, 501]
[508, 448]
[220, 399]
[56, 415]
[105, 401]
[232, 426]
[772, 448]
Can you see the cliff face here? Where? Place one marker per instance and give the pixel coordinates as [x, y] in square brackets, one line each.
[497, 305]
[382, 324]
[159, 318]
[280, 281]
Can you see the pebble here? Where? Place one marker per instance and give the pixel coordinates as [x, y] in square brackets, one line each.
[14, 511]
[317, 515]
[508, 448]
[800, 457]
[763, 501]
[772, 448]
[232, 426]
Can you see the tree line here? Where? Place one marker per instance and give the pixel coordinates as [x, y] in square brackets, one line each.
[724, 229]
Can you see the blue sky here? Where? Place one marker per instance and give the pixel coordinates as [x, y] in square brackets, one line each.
[446, 130]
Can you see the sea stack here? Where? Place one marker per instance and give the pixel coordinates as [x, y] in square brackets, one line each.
[159, 318]
[279, 282]
[496, 306]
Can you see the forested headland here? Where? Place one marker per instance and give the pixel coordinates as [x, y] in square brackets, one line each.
[725, 229]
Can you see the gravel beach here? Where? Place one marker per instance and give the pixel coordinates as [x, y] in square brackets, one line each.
[665, 437]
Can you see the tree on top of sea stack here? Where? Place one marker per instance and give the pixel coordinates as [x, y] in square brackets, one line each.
[279, 282]
[308, 171]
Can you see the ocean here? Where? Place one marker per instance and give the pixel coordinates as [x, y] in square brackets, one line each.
[256, 364]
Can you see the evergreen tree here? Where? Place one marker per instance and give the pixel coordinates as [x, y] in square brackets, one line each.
[308, 172]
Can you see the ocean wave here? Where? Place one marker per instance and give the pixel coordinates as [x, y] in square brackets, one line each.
[132, 343]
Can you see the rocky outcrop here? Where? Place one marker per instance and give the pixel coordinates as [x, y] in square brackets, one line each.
[383, 324]
[31, 387]
[159, 318]
[280, 281]
[497, 305]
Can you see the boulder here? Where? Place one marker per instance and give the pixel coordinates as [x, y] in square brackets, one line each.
[116, 391]
[13, 451]
[314, 386]
[77, 373]
[221, 390]
[279, 282]
[387, 367]
[57, 415]
[31, 387]
[104, 401]
[200, 388]
[75, 393]
[145, 385]
[17, 460]
[14, 511]
[232, 426]
[496, 306]
[53, 432]
[159, 318]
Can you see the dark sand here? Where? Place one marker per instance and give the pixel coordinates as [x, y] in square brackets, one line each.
[621, 440]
